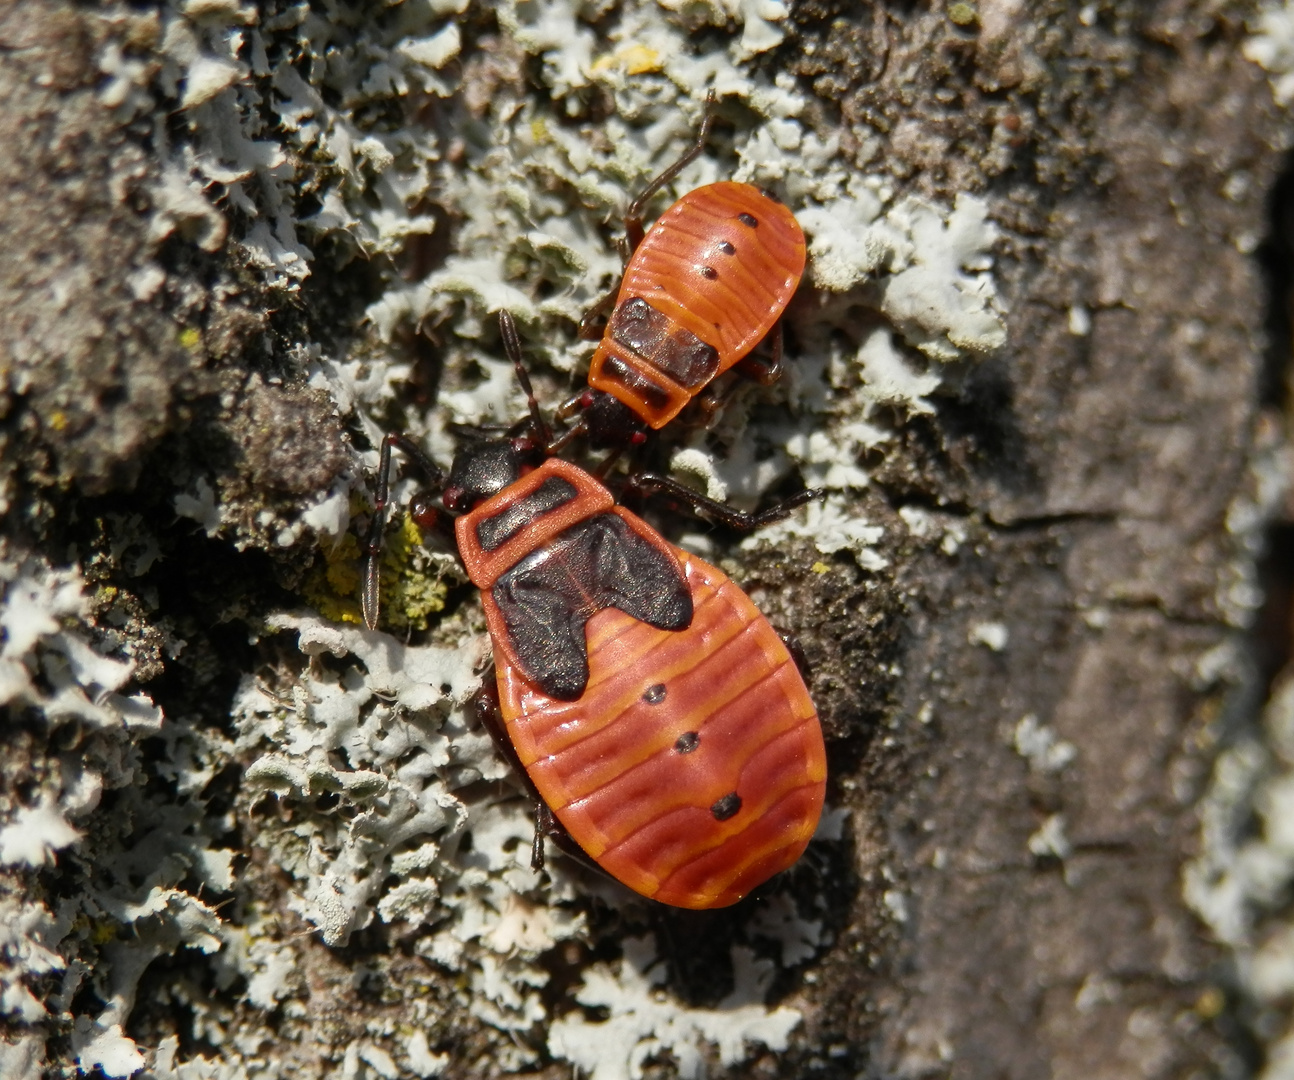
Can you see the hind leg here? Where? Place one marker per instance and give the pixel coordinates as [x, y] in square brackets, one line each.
[485, 707]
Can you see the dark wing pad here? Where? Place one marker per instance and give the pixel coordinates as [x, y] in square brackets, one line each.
[671, 349]
[547, 598]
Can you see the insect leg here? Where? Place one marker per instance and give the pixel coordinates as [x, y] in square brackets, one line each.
[796, 648]
[485, 707]
[707, 405]
[643, 484]
[605, 467]
[765, 372]
[594, 323]
[634, 215]
[547, 827]
[568, 436]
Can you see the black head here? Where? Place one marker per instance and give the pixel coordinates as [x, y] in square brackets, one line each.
[485, 468]
[611, 423]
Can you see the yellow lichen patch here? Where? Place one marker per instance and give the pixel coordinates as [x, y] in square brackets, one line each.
[58, 419]
[631, 59]
[819, 567]
[411, 588]
[190, 338]
[103, 931]
[1210, 1003]
[332, 586]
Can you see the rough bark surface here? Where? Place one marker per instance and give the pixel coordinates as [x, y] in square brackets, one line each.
[1000, 912]
[1105, 553]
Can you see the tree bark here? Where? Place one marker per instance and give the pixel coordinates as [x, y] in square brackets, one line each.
[1022, 708]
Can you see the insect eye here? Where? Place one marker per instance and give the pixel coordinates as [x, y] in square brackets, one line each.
[638, 438]
[454, 498]
[424, 515]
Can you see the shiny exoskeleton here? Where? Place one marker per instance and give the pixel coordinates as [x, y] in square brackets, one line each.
[657, 715]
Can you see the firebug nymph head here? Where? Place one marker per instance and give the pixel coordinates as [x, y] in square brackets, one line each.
[484, 469]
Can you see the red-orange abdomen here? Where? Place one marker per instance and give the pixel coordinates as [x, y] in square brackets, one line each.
[692, 768]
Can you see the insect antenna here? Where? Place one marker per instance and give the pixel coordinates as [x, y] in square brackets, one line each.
[369, 587]
[512, 346]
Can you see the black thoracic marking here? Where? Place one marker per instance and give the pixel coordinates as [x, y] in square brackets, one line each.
[747, 219]
[727, 248]
[725, 807]
[655, 694]
[687, 742]
[709, 273]
[494, 532]
[547, 598]
[609, 421]
[671, 349]
[617, 370]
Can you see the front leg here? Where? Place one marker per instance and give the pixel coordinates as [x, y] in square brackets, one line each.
[594, 323]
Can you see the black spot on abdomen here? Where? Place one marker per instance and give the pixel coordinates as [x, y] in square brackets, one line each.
[726, 807]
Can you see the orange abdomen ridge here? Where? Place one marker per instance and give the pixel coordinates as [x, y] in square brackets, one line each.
[693, 768]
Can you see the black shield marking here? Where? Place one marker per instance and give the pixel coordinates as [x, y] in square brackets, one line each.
[494, 532]
[671, 349]
[547, 598]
